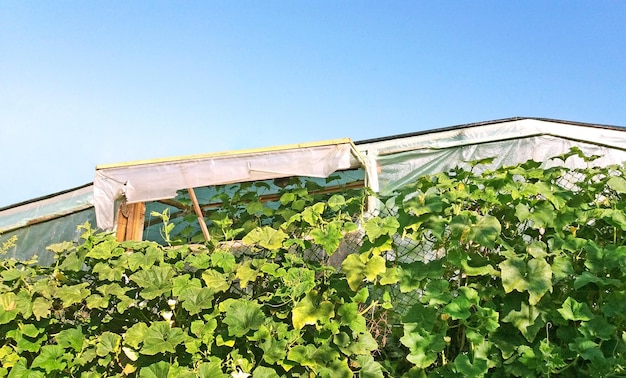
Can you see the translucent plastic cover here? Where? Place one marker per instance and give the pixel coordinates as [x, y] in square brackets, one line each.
[401, 160]
[154, 180]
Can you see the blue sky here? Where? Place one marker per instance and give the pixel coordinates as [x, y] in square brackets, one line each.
[95, 82]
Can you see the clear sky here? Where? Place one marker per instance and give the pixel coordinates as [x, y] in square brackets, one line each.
[95, 82]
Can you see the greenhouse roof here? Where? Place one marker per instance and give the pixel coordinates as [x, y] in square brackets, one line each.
[158, 179]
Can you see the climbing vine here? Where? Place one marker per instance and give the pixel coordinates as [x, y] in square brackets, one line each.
[512, 271]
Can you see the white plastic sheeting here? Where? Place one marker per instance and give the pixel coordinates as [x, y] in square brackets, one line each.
[161, 179]
[400, 160]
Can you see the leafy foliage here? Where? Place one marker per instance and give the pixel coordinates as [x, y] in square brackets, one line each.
[515, 271]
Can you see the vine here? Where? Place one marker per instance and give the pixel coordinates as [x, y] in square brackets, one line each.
[513, 271]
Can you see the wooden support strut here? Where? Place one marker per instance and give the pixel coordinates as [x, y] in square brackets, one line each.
[198, 211]
[130, 220]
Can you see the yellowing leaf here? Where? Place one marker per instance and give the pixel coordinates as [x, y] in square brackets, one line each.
[308, 311]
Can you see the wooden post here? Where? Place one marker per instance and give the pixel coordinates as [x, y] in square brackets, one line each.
[198, 211]
[130, 220]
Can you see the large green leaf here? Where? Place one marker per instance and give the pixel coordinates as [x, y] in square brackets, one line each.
[459, 307]
[328, 238]
[424, 346]
[414, 275]
[105, 250]
[524, 320]
[224, 260]
[535, 277]
[155, 281]
[73, 294]
[195, 299]
[574, 310]
[21, 370]
[485, 230]
[266, 237]
[159, 369]
[50, 358]
[362, 267]
[211, 369]
[247, 272]
[618, 184]
[420, 204]
[273, 345]
[136, 334]
[376, 227]
[477, 368]
[161, 338]
[216, 280]
[243, 316]
[71, 338]
[299, 281]
[369, 368]
[108, 342]
[310, 310]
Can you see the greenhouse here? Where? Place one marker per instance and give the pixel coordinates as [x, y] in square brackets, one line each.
[384, 164]
[486, 249]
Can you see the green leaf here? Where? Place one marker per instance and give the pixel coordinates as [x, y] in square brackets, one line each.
[247, 273]
[328, 238]
[11, 275]
[274, 348]
[574, 310]
[159, 369]
[376, 227]
[21, 370]
[524, 320]
[424, 346]
[50, 358]
[73, 294]
[105, 250]
[463, 366]
[336, 202]
[211, 369]
[309, 310]
[96, 301]
[351, 317]
[224, 260]
[534, 277]
[414, 275]
[216, 280]
[71, 338]
[107, 272]
[135, 335]
[587, 349]
[485, 231]
[155, 281]
[287, 198]
[243, 316]
[586, 278]
[618, 184]
[254, 207]
[363, 266]
[368, 367]
[299, 281]
[41, 308]
[264, 372]
[460, 306]
[108, 342]
[195, 299]
[313, 214]
[160, 338]
[421, 204]
[266, 237]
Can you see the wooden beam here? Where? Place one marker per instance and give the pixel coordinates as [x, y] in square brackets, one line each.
[198, 211]
[130, 220]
